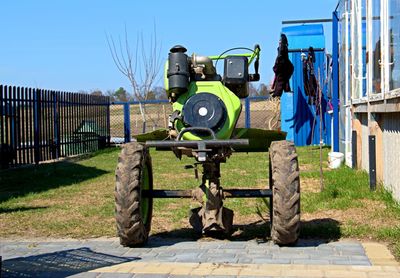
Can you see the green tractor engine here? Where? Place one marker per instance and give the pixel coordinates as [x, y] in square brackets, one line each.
[203, 100]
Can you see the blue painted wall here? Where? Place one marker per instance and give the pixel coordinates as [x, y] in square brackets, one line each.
[298, 118]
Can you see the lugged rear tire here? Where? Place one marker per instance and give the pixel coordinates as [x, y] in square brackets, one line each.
[285, 184]
[133, 213]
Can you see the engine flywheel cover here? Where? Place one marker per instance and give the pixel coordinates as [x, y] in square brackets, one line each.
[204, 110]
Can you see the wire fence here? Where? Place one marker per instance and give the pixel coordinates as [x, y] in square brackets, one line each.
[126, 119]
[38, 125]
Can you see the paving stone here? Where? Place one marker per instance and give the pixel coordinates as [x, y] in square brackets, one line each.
[290, 256]
[325, 248]
[234, 245]
[271, 261]
[211, 255]
[307, 249]
[141, 275]
[353, 250]
[115, 275]
[48, 274]
[186, 276]
[191, 260]
[221, 252]
[349, 262]
[210, 246]
[167, 253]
[259, 251]
[85, 275]
[245, 260]
[181, 245]
[248, 276]
[328, 257]
[310, 242]
[358, 257]
[222, 260]
[310, 262]
[184, 255]
[220, 276]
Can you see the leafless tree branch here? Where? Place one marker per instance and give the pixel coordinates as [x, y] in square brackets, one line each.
[142, 68]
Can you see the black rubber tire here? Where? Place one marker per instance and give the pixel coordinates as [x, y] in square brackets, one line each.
[285, 184]
[132, 228]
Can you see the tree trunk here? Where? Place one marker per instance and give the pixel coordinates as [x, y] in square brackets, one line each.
[143, 113]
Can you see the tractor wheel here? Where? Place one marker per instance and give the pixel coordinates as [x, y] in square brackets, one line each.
[133, 212]
[285, 184]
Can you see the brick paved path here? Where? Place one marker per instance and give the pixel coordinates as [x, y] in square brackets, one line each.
[173, 258]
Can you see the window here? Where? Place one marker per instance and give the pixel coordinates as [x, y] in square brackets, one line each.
[394, 44]
[376, 47]
[358, 53]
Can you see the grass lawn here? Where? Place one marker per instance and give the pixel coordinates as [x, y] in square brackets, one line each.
[75, 199]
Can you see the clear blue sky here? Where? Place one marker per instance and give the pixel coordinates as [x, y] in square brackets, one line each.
[62, 44]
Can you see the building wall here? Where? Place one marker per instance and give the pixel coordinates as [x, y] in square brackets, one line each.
[386, 128]
[391, 153]
[369, 33]
[364, 142]
[357, 128]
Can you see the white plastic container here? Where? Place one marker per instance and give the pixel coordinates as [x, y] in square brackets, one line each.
[335, 159]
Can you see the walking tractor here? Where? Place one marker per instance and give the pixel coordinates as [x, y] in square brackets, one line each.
[206, 109]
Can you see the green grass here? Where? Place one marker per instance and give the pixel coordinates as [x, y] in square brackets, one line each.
[74, 198]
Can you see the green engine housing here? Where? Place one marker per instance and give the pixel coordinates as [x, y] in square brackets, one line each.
[231, 102]
[202, 99]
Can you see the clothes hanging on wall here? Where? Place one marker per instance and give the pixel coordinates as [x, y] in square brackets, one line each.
[283, 69]
[329, 82]
[309, 79]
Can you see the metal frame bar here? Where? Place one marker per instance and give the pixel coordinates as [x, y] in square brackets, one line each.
[304, 21]
[305, 49]
[195, 144]
[247, 113]
[158, 101]
[228, 193]
[335, 75]
[127, 123]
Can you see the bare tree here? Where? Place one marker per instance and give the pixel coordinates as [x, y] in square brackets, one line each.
[141, 65]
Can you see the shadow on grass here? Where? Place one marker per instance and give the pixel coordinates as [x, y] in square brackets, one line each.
[60, 264]
[312, 233]
[22, 208]
[22, 181]
[323, 228]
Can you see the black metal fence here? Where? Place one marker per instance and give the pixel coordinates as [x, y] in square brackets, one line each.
[38, 125]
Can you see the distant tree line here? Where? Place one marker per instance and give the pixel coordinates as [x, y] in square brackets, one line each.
[123, 95]
[158, 93]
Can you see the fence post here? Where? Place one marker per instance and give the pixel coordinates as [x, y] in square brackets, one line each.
[335, 73]
[2, 115]
[36, 124]
[108, 123]
[56, 125]
[247, 113]
[3, 138]
[127, 122]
